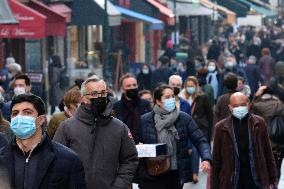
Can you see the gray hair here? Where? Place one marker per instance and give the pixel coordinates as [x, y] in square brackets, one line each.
[15, 67]
[175, 77]
[93, 78]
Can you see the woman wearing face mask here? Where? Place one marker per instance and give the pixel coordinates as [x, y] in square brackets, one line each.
[144, 78]
[202, 113]
[165, 124]
[213, 77]
[72, 100]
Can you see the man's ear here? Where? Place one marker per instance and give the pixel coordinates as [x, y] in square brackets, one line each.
[41, 120]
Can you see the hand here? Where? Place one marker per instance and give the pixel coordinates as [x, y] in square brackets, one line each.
[205, 166]
[260, 90]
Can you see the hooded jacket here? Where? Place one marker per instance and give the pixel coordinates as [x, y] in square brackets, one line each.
[105, 146]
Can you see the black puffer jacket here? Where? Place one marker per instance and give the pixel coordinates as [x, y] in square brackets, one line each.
[186, 128]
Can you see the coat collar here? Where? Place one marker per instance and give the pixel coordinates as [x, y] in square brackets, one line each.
[47, 157]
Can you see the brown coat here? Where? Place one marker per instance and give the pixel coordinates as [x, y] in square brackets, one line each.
[223, 163]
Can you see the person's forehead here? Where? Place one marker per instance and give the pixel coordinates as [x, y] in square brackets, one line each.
[95, 86]
[129, 80]
[167, 91]
[23, 106]
[175, 81]
[235, 100]
[190, 83]
[20, 81]
[147, 95]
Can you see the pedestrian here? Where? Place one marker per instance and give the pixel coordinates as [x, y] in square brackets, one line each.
[201, 109]
[72, 100]
[277, 81]
[231, 65]
[146, 95]
[243, 87]
[242, 156]
[31, 158]
[253, 74]
[175, 81]
[202, 114]
[205, 87]
[222, 106]
[214, 78]
[103, 143]
[266, 66]
[161, 74]
[20, 85]
[267, 105]
[130, 108]
[165, 124]
[54, 73]
[144, 77]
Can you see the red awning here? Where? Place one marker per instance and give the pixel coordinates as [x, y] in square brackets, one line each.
[63, 10]
[168, 13]
[31, 23]
[55, 22]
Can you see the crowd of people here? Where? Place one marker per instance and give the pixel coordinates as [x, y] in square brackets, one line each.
[213, 112]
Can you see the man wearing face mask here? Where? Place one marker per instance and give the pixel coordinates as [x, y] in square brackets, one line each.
[175, 81]
[130, 108]
[31, 158]
[21, 85]
[231, 65]
[242, 155]
[103, 143]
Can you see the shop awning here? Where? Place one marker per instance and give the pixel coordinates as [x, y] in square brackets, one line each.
[63, 10]
[231, 16]
[114, 16]
[31, 23]
[165, 11]
[155, 24]
[55, 22]
[91, 12]
[258, 9]
[187, 8]
[6, 15]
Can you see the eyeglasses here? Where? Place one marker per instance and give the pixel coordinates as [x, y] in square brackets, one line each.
[97, 94]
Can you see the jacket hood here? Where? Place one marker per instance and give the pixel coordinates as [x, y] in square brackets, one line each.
[86, 115]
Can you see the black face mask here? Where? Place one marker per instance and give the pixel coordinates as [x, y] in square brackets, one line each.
[132, 93]
[99, 104]
[176, 91]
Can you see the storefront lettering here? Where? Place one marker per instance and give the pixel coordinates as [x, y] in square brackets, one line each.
[24, 17]
[15, 32]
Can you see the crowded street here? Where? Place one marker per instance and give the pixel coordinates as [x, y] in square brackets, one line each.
[141, 94]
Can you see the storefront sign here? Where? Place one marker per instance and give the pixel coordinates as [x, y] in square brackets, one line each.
[31, 23]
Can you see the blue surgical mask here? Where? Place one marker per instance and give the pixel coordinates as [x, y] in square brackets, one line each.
[191, 90]
[23, 126]
[211, 68]
[240, 112]
[170, 104]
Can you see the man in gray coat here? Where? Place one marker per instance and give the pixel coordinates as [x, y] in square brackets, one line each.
[103, 143]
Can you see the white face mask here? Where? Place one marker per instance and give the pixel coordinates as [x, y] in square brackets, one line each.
[19, 90]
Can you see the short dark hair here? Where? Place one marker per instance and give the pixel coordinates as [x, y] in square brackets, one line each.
[231, 81]
[158, 91]
[24, 77]
[125, 76]
[164, 60]
[36, 101]
[141, 93]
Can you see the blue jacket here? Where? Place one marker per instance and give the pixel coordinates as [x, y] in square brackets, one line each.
[186, 128]
[185, 106]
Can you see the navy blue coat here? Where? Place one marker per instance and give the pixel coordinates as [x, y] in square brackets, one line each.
[59, 167]
[187, 129]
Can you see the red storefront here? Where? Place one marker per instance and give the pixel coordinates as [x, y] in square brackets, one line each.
[27, 40]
